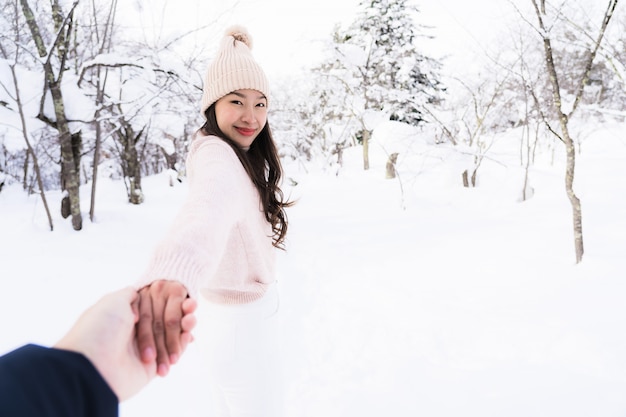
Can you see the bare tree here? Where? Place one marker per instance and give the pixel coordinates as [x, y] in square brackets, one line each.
[69, 142]
[30, 151]
[527, 80]
[103, 34]
[486, 99]
[478, 109]
[564, 116]
[142, 100]
[128, 140]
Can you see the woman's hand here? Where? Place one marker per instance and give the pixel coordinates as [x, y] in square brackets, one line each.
[165, 323]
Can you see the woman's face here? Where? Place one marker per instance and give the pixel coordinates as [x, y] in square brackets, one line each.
[241, 115]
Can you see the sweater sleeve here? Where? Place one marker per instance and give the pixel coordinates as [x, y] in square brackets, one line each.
[195, 242]
[47, 382]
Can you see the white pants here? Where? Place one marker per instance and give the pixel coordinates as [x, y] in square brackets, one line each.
[241, 347]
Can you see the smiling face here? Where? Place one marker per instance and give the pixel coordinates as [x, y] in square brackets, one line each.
[241, 115]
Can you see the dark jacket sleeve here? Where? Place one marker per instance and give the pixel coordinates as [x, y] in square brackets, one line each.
[43, 382]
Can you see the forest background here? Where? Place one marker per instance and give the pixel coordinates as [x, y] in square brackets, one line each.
[436, 264]
[93, 89]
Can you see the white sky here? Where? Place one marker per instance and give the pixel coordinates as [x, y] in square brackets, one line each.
[290, 34]
[457, 25]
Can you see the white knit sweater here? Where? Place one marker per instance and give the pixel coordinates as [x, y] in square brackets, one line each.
[220, 243]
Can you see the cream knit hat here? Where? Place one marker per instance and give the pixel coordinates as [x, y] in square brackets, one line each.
[233, 68]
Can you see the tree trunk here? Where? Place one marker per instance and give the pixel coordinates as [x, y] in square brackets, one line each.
[25, 180]
[339, 152]
[569, 189]
[96, 152]
[70, 180]
[130, 162]
[104, 41]
[390, 171]
[570, 148]
[135, 195]
[94, 171]
[366, 152]
[70, 177]
[465, 178]
[29, 149]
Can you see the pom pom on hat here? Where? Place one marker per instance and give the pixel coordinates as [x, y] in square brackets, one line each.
[239, 33]
[234, 68]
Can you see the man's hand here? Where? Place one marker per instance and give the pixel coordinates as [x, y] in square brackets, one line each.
[105, 334]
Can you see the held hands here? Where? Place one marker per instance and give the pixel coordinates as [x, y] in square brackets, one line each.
[165, 323]
[105, 334]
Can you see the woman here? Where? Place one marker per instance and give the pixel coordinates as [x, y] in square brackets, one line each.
[221, 246]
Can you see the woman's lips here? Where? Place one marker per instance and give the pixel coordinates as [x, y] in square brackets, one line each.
[246, 132]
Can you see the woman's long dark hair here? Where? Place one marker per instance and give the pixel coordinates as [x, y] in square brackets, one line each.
[262, 164]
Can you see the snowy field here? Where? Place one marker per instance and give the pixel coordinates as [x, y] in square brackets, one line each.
[428, 299]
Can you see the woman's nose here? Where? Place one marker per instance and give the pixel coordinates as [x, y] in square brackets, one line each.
[248, 115]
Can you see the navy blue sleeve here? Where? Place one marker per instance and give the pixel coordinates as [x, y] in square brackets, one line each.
[46, 382]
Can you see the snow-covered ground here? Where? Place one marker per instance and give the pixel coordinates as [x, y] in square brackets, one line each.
[428, 299]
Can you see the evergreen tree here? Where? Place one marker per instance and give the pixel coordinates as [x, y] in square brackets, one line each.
[379, 69]
[396, 77]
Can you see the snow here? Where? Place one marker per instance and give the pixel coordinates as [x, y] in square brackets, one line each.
[428, 299]
[78, 107]
[30, 86]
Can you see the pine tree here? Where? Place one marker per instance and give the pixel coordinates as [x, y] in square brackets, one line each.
[379, 66]
[398, 78]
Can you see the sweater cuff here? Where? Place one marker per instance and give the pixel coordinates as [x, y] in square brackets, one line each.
[177, 268]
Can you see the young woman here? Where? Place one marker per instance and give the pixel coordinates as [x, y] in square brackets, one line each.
[221, 246]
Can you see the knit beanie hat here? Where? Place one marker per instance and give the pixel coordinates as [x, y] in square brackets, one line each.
[233, 68]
